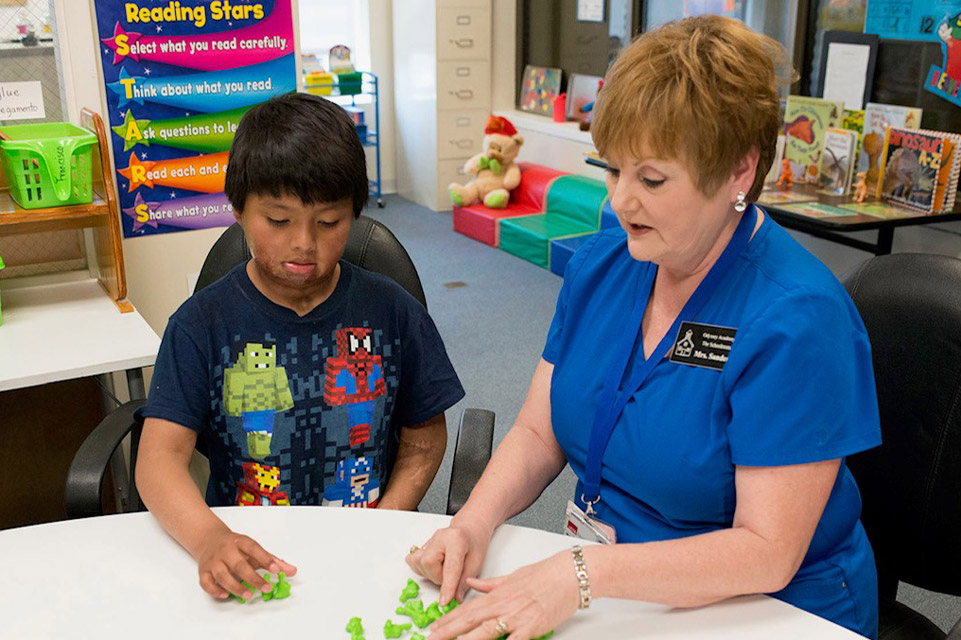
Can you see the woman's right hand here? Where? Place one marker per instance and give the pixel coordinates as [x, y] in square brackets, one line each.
[226, 558]
[452, 555]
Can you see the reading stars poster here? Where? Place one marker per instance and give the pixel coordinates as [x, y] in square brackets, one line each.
[179, 75]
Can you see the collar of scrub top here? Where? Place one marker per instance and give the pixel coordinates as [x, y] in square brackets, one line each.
[611, 403]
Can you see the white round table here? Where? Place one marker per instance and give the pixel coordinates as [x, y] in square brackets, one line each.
[123, 577]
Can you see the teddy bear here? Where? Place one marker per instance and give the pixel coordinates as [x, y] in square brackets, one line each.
[495, 172]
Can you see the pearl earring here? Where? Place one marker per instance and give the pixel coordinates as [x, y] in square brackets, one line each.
[741, 203]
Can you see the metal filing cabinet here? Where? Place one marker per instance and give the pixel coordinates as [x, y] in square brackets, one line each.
[442, 93]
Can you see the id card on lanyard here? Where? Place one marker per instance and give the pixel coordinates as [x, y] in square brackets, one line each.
[582, 522]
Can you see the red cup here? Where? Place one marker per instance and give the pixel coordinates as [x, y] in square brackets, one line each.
[560, 108]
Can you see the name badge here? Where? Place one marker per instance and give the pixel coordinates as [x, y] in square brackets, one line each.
[580, 525]
[703, 345]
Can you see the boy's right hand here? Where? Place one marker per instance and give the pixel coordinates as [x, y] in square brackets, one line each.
[226, 558]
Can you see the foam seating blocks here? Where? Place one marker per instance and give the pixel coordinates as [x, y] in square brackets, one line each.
[483, 223]
[573, 209]
[562, 250]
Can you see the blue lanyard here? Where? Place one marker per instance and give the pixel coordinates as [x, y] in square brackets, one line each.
[611, 403]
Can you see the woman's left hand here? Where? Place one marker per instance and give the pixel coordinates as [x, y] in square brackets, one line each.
[529, 602]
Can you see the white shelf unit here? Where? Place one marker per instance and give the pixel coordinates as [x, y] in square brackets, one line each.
[442, 93]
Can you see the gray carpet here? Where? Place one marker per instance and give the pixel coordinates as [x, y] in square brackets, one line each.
[493, 311]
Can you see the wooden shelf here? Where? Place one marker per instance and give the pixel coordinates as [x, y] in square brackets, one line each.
[102, 216]
[15, 219]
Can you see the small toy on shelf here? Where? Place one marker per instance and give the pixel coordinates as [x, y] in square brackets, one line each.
[494, 171]
[339, 59]
[861, 187]
[786, 181]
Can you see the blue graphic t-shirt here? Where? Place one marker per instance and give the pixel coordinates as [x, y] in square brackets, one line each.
[301, 410]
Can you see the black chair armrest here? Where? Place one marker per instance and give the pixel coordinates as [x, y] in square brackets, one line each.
[472, 452]
[85, 477]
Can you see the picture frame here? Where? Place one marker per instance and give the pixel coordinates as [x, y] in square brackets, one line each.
[832, 83]
[539, 87]
[581, 91]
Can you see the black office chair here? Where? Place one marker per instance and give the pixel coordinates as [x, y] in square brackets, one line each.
[911, 484]
[372, 246]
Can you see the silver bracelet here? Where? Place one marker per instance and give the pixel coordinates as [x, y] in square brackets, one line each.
[580, 570]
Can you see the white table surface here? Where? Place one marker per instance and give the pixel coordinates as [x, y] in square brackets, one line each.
[123, 577]
[67, 330]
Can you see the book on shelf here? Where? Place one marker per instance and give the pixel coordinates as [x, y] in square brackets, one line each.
[853, 120]
[805, 122]
[877, 118]
[837, 161]
[919, 169]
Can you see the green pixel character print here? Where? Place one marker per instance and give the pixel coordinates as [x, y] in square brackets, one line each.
[255, 390]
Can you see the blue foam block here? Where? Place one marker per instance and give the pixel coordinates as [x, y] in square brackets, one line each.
[563, 249]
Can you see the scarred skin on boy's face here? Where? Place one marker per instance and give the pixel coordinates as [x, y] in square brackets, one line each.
[296, 247]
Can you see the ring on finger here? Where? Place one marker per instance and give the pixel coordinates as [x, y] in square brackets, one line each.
[501, 627]
[413, 549]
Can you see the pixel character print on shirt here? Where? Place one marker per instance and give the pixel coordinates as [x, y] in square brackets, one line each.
[355, 378]
[255, 389]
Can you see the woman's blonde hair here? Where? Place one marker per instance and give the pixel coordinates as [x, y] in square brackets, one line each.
[703, 91]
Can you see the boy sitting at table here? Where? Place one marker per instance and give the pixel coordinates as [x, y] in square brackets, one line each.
[308, 380]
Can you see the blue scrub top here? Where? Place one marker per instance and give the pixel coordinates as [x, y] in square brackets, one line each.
[798, 387]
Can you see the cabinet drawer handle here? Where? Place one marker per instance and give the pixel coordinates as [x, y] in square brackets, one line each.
[462, 72]
[463, 20]
[463, 143]
[463, 94]
[462, 122]
[463, 43]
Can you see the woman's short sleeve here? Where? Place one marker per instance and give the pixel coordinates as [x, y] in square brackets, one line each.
[800, 383]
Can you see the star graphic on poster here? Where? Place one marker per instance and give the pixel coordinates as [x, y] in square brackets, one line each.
[143, 156]
[230, 24]
[137, 172]
[127, 38]
[146, 71]
[172, 195]
[159, 28]
[131, 131]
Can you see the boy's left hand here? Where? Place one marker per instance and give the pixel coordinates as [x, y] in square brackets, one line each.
[530, 602]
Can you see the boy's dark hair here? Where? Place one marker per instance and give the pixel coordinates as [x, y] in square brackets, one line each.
[297, 144]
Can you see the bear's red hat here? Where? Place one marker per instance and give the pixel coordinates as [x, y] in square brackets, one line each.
[497, 124]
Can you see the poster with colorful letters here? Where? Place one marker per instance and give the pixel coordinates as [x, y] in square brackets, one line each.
[178, 76]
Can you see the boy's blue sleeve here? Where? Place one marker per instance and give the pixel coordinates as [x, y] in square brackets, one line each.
[428, 382]
[800, 384]
[180, 387]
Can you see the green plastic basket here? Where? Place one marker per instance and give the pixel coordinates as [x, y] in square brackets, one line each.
[48, 165]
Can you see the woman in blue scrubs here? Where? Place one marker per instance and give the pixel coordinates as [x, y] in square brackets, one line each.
[704, 375]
